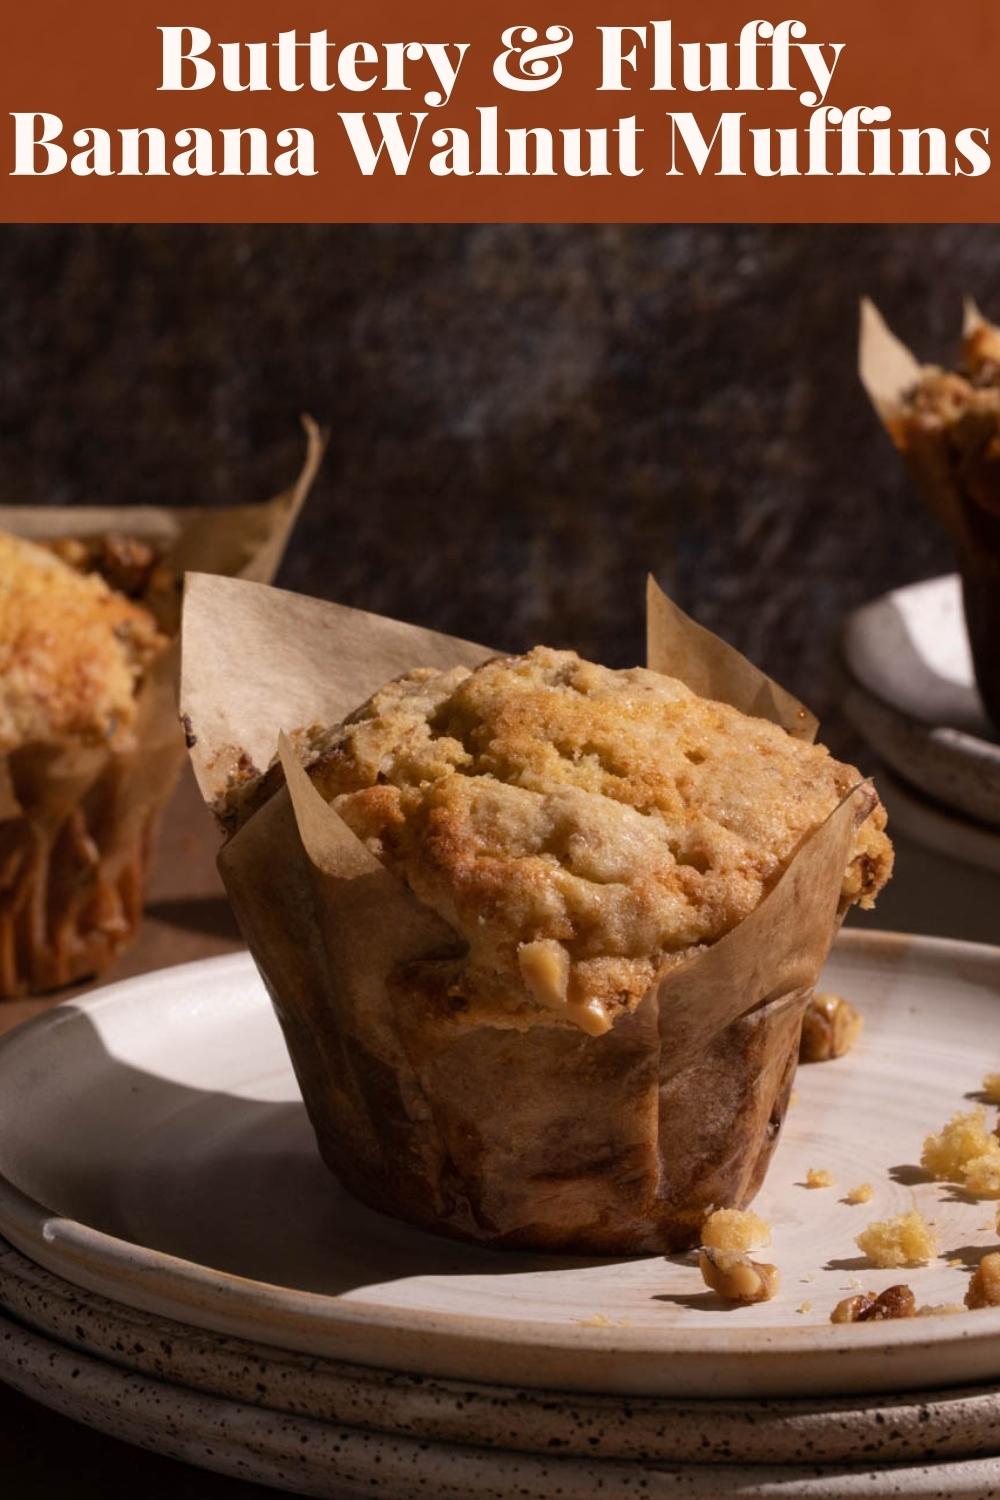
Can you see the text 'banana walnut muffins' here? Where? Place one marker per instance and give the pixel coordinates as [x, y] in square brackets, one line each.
[540, 934]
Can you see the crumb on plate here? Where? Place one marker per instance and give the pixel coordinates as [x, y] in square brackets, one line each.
[819, 1177]
[906, 1240]
[863, 1193]
[735, 1229]
[876, 1307]
[965, 1151]
[991, 1087]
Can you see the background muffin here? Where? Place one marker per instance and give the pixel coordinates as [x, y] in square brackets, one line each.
[946, 425]
[75, 658]
[90, 745]
[73, 651]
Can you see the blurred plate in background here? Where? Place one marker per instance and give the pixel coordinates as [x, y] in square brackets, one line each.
[910, 692]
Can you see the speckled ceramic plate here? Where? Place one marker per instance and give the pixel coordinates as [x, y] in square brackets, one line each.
[962, 1422]
[313, 1457]
[909, 689]
[153, 1149]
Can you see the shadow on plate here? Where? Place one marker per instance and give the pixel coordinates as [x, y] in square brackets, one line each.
[226, 1181]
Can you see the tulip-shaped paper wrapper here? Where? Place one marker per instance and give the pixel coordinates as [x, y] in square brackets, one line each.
[546, 1137]
[77, 822]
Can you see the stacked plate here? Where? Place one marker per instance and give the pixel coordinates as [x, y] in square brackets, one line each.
[179, 1270]
[911, 692]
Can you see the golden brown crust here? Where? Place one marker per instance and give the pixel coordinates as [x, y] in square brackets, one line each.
[580, 828]
[72, 651]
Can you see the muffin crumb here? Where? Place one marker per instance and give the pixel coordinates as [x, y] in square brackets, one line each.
[819, 1177]
[966, 1152]
[804, 1307]
[736, 1277]
[735, 1229]
[876, 1307]
[984, 1283]
[906, 1240]
[863, 1193]
[830, 1028]
[991, 1087]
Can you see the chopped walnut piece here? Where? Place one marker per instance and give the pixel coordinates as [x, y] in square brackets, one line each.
[863, 1193]
[907, 1240]
[984, 1283]
[830, 1028]
[876, 1307]
[736, 1277]
[733, 1229]
[818, 1177]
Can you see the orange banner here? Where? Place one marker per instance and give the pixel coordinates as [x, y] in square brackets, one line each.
[818, 111]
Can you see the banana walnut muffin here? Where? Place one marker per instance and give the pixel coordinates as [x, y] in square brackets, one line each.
[579, 828]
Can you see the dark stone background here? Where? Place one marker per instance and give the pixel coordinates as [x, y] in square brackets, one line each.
[524, 419]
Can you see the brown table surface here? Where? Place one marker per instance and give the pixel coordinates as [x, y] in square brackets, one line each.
[188, 918]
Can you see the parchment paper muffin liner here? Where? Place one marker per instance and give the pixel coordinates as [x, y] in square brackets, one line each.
[960, 483]
[77, 823]
[542, 1138]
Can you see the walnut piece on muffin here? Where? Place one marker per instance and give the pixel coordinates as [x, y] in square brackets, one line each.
[72, 651]
[580, 829]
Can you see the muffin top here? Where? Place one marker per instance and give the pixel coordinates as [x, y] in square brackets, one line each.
[578, 828]
[72, 651]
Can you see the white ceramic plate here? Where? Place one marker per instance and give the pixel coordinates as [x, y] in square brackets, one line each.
[153, 1149]
[910, 649]
[311, 1457]
[961, 1422]
[910, 691]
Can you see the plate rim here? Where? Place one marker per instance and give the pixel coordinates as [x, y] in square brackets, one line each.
[216, 1433]
[617, 1359]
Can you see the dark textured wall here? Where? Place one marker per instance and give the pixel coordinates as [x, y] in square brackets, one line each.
[524, 419]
